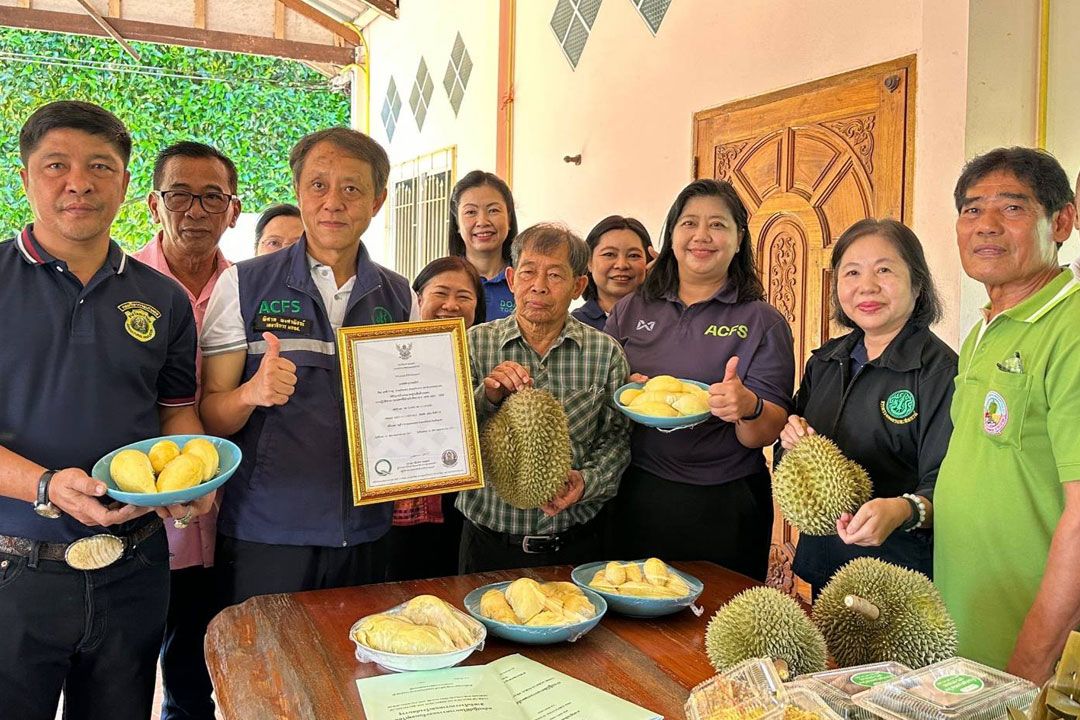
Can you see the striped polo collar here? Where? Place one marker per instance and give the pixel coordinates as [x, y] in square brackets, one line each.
[33, 253]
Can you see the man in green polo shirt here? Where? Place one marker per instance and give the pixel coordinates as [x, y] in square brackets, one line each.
[1007, 506]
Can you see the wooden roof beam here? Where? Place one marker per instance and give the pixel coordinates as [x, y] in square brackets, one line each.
[319, 18]
[109, 29]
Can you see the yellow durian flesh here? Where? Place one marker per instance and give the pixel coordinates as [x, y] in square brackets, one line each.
[525, 598]
[629, 395]
[677, 585]
[162, 453]
[430, 610]
[183, 472]
[693, 389]
[546, 618]
[633, 572]
[132, 471]
[614, 573]
[663, 383]
[206, 452]
[493, 605]
[654, 396]
[691, 404]
[578, 607]
[644, 589]
[396, 634]
[656, 572]
[655, 409]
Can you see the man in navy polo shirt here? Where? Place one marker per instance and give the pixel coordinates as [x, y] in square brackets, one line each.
[105, 356]
[271, 380]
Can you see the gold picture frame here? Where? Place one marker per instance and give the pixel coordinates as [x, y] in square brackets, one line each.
[409, 411]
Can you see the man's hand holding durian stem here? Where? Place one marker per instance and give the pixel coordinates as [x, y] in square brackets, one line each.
[729, 399]
[571, 493]
[796, 429]
[275, 380]
[76, 494]
[505, 378]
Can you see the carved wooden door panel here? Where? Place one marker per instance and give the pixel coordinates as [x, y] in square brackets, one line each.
[808, 162]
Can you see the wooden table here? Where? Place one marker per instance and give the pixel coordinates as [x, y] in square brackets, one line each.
[290, 656]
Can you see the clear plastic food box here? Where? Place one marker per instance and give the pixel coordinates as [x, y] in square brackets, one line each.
[836, 687]
[750, 690]
[948, 690]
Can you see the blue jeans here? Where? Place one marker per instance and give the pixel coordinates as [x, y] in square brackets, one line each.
[94, 634]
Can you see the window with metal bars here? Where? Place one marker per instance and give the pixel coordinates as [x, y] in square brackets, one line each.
[420, 209]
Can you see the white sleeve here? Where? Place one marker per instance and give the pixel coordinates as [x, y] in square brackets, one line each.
[414, 312]
[223, 326]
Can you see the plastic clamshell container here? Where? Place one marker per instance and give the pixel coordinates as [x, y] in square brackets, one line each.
[633, 605]
[948, 690]
[724, 698]
[663, 423]
[760, 675]
[229, 456]
[836, 687]
[534, 635]
[399, 662]
[807, 701]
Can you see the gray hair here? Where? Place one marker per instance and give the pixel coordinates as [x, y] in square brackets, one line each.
[546, 239]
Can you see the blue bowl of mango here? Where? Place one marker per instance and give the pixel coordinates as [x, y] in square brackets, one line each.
[639, 606]
[228, 460]
[528, 635]
[663, 423]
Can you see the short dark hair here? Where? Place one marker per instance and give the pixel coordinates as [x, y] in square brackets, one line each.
[479, 178]
[546, 238]
[928, 308]
[1038, 169]
[192, 149]
[454, 264]
[74, 115]
[274, 211]
[663, 279]
[353, 142]
[613, 222]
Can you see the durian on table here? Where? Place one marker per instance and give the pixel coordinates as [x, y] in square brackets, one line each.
[814, 484]
[650, 579]
[764, 622]
[526, 449]
[165, 468]
[666, 396]
[873, 611]
[425, 625]
[528, 602]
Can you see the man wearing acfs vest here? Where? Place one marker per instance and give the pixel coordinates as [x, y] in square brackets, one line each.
[271, 381]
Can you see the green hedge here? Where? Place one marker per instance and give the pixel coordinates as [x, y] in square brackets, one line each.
[251, 108]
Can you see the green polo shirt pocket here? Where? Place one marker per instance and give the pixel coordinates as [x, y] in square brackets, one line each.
[582, 410]
[1004, 407]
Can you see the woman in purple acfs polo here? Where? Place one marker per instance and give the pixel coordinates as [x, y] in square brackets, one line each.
[703, 493]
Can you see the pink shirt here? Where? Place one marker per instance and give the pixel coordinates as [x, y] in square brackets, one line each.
[193, 545]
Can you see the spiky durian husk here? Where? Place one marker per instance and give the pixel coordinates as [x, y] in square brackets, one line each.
[526, 448]
[764, 622]
[914, 627]
[814, 484]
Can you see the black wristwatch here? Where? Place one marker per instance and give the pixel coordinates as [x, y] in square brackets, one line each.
[757, 410]
[913, 519]
[43, 507]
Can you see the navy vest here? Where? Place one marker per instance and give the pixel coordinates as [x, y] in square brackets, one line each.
[294, 485]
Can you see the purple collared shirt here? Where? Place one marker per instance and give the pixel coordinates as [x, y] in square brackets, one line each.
[193, 545]
[665, 337]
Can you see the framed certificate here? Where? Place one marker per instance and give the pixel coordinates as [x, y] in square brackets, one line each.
[409, 410]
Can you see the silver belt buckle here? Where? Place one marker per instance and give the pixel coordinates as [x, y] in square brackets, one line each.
[553, 546]
[94, 552]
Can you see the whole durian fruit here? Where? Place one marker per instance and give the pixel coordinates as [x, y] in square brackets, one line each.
[764, 622]
[814, 484]
[526, 448]
[912, 626]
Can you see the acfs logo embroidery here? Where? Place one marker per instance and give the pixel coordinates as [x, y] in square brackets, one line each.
[646, 326]
[139, 319]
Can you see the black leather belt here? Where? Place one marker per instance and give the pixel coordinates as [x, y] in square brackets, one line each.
[538, 544]
[24, 547]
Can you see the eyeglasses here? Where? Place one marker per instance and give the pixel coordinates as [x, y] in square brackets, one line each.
[214, 203]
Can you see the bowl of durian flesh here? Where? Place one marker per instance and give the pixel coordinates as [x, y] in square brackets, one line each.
[535, 612]
[641, 588]
[664, 402]
[167, 470]
[424, 633]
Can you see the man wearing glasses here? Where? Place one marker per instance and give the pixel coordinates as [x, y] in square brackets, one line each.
[194, 200]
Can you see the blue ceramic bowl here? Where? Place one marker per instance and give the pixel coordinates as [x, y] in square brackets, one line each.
[663, 423]
[638, 606]
[534, 635]
[229, 460]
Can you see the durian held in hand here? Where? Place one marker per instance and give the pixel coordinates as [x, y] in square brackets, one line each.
[425, 625]
[814, 484]
[528, 602]
[650, 579]
[166, 468]
[666, 396]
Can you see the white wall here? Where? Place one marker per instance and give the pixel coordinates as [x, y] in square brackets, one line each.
[1063, 107]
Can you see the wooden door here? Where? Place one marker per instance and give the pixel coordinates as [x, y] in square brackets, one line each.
[808, 162]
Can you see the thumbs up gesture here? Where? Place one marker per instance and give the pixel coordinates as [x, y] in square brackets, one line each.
[729, 399]
[275, 380]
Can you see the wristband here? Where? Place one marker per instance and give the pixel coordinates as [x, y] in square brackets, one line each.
[758, 409]
[918, 512]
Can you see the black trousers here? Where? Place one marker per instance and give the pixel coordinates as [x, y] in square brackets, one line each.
[728, 524]
[426, 550]
[95, 635]
[192, 605]
[483, 549]
[246, 569]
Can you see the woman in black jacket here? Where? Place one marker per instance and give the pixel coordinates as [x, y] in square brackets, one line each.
[882, 394]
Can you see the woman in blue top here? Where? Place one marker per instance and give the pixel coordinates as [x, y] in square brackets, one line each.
[619, 249]
[483, 225]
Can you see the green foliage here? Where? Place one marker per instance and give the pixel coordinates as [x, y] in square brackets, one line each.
[253, 109]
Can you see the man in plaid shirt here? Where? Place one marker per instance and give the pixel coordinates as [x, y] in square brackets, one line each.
[541, 345]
